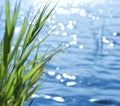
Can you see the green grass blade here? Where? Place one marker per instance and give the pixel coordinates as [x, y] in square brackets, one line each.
[28, 34]
[18, 73]
[14, 18]
[7, 13]
[31, 102]
[22, 32]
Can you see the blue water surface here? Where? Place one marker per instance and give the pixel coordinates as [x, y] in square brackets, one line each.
[86, 74]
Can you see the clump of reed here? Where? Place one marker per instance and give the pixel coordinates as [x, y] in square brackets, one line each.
[17, 75]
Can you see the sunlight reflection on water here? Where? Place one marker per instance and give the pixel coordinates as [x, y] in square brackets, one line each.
[80, 2]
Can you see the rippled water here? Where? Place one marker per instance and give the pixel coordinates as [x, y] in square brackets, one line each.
[87, 74]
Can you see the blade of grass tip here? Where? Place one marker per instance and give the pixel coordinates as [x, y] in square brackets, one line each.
[10, 26]
[7, 13]
[15, 15]
[28, 34]
[28, 30]
[48, 14]
[39, 20]
[39, 23]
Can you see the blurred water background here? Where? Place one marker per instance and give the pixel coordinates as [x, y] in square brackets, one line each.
[86, 74]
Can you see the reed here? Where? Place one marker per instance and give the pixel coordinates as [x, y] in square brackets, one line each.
[17, 75]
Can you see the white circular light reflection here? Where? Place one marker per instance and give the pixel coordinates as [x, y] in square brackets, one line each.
[51, 73]
[58, 99]
[71, 83]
